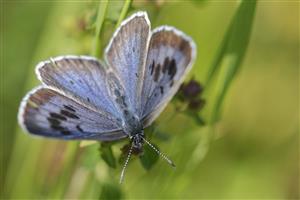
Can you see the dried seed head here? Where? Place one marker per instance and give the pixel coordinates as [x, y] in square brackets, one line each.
[191, 90]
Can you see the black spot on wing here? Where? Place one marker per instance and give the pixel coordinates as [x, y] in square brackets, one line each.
[172, 69]
[121, 100]
[152, 67]
[57, 127]
[69, 108]
[161, 89]
[53, 121]
[166, 65]
[57, 116]
[69, 114]
[117, 93]
[171, 83]
[124, 101]
[157, 72]
[79, 128]
[126, 112]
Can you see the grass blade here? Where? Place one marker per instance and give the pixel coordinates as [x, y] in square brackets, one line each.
[99, 22]
[123, 12]
[223, 70]
[231, 54]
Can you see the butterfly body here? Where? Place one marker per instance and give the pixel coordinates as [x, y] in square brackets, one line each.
[133, 128]
[86, 99]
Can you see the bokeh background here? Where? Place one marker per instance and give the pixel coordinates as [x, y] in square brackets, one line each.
[251, 151]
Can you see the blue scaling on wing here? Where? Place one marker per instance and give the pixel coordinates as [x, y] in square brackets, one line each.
[126, 55]
[170, 57]
[46, 112]
[81, 78]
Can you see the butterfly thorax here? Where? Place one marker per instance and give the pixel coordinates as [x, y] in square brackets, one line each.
[133, 127]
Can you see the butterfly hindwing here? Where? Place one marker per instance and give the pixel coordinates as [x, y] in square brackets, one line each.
[81, 77]
[169, 59]
[46, 112]
[126, 55]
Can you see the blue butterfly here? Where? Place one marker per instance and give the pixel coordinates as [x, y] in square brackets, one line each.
[86, 99]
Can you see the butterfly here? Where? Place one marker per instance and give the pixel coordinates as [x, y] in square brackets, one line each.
[83, 98]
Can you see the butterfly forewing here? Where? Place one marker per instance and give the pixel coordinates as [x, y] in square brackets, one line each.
[46, 112]
[169, 59]
[80, 77]
[126, 55]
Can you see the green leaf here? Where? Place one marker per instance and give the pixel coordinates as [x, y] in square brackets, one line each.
[231, 54]
[110, 191]
[107, 155]
[149, 157]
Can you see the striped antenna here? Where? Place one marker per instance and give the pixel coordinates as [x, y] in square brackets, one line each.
[125, 164]
[160, 153]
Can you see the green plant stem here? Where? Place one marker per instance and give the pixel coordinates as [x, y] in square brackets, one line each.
[123, 12]
[99, 22]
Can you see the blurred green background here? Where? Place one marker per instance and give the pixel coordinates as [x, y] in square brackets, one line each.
[251, 151]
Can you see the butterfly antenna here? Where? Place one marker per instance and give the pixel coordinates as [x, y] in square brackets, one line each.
[160, 153]
[125, 164]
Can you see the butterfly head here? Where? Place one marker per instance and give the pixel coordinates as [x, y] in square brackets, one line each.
[137, 140]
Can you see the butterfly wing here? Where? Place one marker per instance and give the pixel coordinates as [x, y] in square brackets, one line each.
[126, 55]
[82, 78]
[46, 112]
[170, 57]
